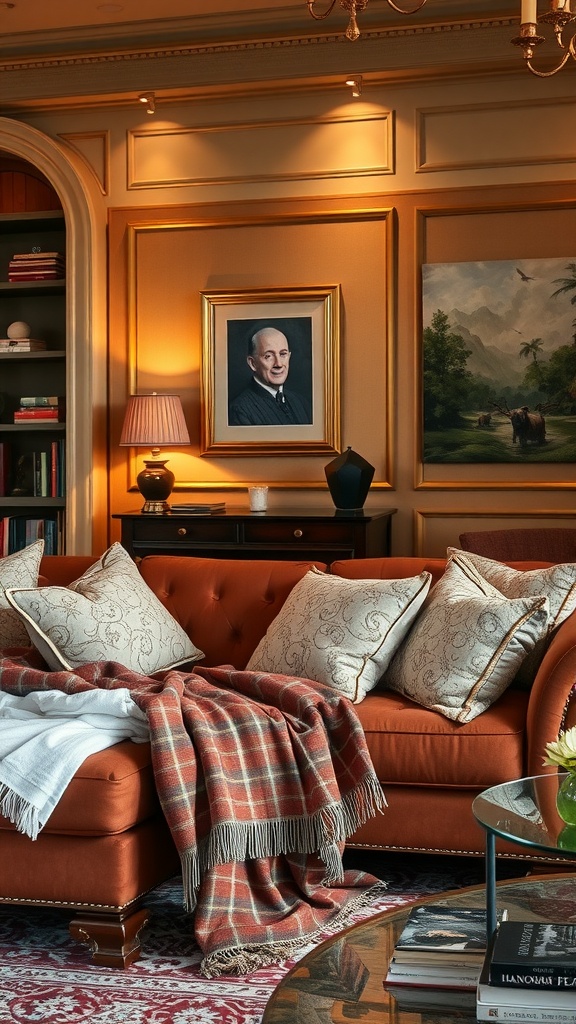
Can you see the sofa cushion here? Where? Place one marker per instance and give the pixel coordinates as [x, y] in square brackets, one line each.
[412, 746]
[109, 614]
[17, 570]
[466, 645]
[113, 790]
[556, 582]
[340, 632]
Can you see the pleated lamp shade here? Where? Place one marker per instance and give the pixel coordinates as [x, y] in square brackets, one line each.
[155, 421]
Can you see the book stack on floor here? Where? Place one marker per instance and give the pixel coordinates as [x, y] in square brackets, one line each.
[41, 409]
[529, 974]
[437, 958]
[36, 266]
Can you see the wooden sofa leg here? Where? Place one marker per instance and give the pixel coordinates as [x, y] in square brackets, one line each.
[113, 938]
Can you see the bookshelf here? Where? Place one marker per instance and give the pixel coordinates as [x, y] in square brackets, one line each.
[42, 304]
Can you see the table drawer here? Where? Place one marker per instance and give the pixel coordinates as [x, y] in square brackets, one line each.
[298, 532]
[172, 531]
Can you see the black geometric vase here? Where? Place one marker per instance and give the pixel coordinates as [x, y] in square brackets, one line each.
[349, 477]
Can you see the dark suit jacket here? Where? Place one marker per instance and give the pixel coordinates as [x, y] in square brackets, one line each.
[255, 407]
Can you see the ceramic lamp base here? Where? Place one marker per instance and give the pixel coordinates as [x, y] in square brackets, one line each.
[155, 484]
[349, 477]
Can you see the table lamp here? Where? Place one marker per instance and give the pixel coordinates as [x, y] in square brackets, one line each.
[154, 421]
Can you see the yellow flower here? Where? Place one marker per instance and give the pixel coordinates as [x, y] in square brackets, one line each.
[562, 752]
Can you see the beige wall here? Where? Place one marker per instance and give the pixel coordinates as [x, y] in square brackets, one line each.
[306, 187]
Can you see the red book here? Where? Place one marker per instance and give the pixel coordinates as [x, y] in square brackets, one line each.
[38, 414]
[46, 275]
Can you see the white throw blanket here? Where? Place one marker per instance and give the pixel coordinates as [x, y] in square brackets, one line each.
[44, 738]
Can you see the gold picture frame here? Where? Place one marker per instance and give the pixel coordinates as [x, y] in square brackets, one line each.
[309, 318]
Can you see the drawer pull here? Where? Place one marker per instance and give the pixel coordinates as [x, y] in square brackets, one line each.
[298, 534]
[182, 531]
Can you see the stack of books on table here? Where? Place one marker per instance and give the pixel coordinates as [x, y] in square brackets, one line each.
[41, 409]
[438, 957]
[195, 509]
[37, 266]
[529, 974]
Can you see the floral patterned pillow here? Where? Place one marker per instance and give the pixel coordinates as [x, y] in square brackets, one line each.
[340, 632]
[109, 614]
[17, 570]
[467, 644]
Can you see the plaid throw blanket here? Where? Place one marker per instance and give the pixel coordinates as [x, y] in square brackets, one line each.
[261, 779]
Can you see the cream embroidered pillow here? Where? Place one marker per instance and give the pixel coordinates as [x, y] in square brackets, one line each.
[17, 570]
[340, 632]
[557, 583]
[109, 614]
[466, 645]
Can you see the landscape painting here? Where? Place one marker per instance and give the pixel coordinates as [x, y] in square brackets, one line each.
[499, 361]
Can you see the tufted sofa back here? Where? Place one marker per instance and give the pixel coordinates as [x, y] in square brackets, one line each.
[225, 605]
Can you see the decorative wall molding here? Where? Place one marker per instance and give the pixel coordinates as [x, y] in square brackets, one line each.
[293, 149]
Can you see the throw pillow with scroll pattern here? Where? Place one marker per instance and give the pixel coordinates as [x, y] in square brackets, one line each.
[340, 632]
[556, 582]
[17, 570]
[467, 644]
[109, 614]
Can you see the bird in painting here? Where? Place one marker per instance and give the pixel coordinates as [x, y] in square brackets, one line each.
[523, 275]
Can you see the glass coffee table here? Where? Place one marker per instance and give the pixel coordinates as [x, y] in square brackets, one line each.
[342, 978]
[524, 812]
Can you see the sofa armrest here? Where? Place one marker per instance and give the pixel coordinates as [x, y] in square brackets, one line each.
[552, 705]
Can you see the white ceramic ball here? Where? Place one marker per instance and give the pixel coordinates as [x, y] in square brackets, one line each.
[19, 329]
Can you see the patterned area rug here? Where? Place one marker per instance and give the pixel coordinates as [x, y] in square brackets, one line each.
[48, 978]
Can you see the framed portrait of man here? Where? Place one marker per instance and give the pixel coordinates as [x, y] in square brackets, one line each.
[271, 371]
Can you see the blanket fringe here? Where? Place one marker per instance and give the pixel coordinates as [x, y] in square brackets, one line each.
[236, 842]
[240, 960]
[19, 811]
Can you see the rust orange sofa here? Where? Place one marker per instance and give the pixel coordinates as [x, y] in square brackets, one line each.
[106, 845]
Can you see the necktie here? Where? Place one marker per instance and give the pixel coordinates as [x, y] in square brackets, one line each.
[280, 398]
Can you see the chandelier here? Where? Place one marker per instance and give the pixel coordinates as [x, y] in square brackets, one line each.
[353, 7]
[559, 15]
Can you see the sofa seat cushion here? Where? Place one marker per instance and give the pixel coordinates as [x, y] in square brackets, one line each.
[111, 792]
[411, 745]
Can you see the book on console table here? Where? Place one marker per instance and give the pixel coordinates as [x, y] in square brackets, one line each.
[435, 934]
[534, 1005]
[198, 509]
[419, 975]
[534, 954]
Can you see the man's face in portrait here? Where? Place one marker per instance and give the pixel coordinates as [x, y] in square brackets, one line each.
[270, 358]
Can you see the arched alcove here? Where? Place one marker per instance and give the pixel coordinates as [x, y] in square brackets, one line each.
[85, 217]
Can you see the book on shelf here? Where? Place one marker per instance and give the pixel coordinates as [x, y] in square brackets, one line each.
[42, 401]
[25, 345]
[534, 954]
[435, 933]
[47, 415]
[20, 531]
[537, 1005]
[35, 275]
[38, 256]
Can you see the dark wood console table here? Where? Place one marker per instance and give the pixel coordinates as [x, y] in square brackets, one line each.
[307, 534]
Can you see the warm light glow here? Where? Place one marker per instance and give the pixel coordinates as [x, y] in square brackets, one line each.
[355, 85]
[354, 7]
[559, 15]
[150, 100]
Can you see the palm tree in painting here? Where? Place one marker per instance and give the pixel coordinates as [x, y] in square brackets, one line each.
[531, 348]
[567, 285]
